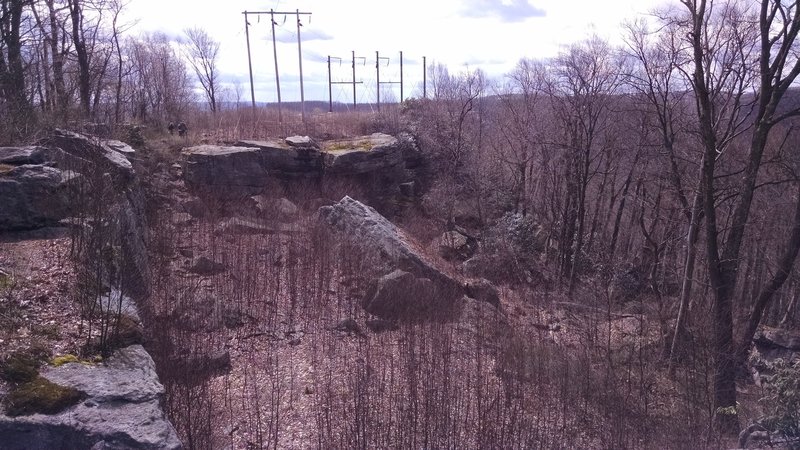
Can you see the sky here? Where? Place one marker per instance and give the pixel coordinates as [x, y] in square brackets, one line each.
[462, 34]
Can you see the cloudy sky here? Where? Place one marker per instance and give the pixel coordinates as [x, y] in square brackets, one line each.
[462, 34]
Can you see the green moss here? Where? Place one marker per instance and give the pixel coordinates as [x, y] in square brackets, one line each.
[337, 146]
[41, 396]
[19, 367]
[64, 359]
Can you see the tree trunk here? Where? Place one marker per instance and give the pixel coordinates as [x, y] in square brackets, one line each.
[84, 69]
[680, 334]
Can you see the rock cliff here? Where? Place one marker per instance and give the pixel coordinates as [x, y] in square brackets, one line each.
[372, 168]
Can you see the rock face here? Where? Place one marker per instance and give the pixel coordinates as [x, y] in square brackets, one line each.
[40, 185]
[407, 284]
[16, 156]
[80, 153]
[122, 409]
[43, 184]
[32, 195]
[372, 167]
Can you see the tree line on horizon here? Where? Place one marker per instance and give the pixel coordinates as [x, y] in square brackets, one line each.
[64, 62]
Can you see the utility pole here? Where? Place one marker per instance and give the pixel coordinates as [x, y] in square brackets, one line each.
[331, 82]
[272, 13]
[300, 58]
[354, 79]
[378, 78]
[378, 59]
[250, 63]
[401, 77]
[424, 77]
[275, 57]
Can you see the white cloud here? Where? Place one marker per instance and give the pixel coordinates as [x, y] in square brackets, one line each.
[491, 34]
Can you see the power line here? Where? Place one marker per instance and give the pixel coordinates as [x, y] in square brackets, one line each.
[272, 13]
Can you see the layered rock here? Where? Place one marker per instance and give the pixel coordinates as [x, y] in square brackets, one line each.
[122, 409]
[83, 153]
[40, 185]
[371, 167]
[33, 195]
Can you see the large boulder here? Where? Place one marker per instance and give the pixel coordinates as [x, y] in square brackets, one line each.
[400, 295]
[376, 152]
[406, 282]
[454, 245]
[33, 196]
[382, 243]
[771, 344]
[122, 409]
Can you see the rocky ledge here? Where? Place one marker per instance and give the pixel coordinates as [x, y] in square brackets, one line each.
[121, 409]
[378, 163]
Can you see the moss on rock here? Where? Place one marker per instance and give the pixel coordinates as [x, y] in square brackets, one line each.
[64, 359]
[41, 396]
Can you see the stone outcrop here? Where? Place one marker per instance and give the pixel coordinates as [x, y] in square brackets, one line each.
[122, 409]
[43, 184]
[16, 156]
[406, 283]
[33, 195]
[79, 152]
[383, 245]
[454, 245]
[371, 167]
[771, 344]
[40, 185]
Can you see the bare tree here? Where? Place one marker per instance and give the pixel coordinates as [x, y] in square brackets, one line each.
[203, 51]
[581, 86]
[12, 70]
[159, 82]
[724, 39]
[656, 77]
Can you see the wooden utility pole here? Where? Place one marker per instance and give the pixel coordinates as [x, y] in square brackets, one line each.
[275, 57]
[330, 84]
[401, 77]
[272, 13]
[424, 77]
[300, 59]
[354, 79]
[250, 63]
